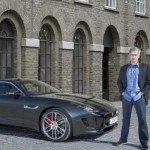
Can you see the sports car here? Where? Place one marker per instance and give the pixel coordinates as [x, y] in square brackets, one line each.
[33, 104]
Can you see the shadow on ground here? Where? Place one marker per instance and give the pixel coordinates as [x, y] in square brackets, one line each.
[94, 140]
[21, 132]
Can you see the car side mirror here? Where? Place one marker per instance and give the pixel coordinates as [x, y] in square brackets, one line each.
[14, 92]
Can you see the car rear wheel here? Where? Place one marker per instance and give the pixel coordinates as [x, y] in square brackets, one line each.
[55, 125]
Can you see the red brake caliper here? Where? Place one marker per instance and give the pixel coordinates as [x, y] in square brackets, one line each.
[49, 120]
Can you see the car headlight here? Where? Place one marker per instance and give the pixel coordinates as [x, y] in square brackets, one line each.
[117, 112]
[90, 109]
[87, 108]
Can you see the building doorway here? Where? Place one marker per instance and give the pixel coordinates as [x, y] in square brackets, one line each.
[105, 82]
[108, 47]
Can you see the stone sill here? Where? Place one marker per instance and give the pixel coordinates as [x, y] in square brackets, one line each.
[141, 15]
[111, 9]
[83, 3]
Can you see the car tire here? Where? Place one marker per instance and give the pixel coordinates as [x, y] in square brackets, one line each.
[55, 125]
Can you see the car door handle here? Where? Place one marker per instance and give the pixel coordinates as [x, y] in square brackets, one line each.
[31, 107]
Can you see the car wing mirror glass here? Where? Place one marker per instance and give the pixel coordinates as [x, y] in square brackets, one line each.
[14, 92]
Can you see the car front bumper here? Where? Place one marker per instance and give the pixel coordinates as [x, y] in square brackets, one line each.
[91, 124]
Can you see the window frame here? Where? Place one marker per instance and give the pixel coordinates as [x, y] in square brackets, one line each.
[78, 66]
[7, 50]
[110, 4]
[47, 55]
[138, 7]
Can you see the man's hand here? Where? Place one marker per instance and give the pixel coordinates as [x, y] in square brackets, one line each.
[142, 93]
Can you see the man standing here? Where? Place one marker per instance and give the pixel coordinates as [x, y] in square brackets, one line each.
[133, 84]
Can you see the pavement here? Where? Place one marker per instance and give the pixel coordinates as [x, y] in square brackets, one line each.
[23, 139]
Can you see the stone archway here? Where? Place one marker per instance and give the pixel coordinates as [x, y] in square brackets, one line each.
[50, 36]
[12, 19]
[81, 70]
[110, 63]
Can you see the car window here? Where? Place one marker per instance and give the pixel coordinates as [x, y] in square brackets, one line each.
[7, 88]
[33, 87]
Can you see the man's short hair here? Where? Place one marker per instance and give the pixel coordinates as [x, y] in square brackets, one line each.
[134, 49]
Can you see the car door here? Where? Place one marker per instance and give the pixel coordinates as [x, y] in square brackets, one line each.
[11, 104]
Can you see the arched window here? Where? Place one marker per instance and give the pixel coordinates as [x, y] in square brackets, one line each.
[6, 50]
[138, 41]
[141, 41]
[45, 63]
[78, 62]
[140, 44]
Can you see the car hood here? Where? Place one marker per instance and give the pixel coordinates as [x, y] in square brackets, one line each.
[98, 103]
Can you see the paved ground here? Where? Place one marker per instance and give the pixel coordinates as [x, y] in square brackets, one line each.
[19, 139]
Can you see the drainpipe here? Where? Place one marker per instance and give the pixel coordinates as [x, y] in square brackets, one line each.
[126, 21]
[32, 3]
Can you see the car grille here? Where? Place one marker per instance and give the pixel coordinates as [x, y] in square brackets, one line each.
[101, 122]
[93, 122]
[110, 115]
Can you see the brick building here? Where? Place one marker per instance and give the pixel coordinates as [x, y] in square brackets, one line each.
[75, 45]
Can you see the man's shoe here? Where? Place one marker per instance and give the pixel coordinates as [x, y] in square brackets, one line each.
[119, 143]
[144, 147]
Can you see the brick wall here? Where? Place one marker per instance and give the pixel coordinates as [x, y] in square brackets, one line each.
[64, 17]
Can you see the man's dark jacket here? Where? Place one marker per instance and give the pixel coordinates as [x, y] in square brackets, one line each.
[143, 80]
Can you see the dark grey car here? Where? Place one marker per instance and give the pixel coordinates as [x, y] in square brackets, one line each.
[36, 105]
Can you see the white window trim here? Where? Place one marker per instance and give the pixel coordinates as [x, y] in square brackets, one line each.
[138, 12]
[110, 7]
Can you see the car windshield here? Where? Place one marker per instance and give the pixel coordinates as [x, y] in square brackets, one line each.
[34, 87]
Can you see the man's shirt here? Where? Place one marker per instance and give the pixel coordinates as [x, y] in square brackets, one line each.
[132, 91]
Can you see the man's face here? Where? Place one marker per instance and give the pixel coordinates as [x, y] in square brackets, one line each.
[134, 57]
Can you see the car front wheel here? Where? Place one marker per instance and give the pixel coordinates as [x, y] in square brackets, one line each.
[55, 125]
